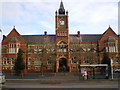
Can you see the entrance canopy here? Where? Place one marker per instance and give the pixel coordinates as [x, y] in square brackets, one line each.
[94, 65]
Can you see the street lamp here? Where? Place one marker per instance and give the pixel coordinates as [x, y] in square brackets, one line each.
[1, 51]
[111, 63]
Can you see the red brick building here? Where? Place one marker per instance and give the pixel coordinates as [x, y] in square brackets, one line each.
[51, 53]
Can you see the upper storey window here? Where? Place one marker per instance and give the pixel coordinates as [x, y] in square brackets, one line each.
[111, 44]
[13, 48]
[13, 45]
[62, 45]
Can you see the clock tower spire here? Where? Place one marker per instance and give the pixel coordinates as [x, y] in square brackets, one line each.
[61, 18]
[61, 9]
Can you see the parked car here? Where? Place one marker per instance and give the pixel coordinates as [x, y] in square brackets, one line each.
[117, 71]
[2, 78]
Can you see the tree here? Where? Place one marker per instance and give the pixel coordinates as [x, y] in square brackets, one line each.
[19, 63]
[106, 59]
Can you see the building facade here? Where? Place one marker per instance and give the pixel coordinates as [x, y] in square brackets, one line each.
[61, 51]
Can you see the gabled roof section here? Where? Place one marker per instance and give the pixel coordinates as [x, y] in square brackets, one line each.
[109, 30]
[109, 33]
[13, 34]
[13, 30]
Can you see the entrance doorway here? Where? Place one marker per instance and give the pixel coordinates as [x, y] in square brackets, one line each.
[63, 65]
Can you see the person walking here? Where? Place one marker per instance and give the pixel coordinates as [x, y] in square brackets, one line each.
[85, 75]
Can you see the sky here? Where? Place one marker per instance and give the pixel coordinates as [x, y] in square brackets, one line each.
[33, 17]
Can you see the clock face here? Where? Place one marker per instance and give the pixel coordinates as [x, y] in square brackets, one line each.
[62, 22]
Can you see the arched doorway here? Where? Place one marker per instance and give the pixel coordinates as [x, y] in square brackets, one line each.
[63, 65]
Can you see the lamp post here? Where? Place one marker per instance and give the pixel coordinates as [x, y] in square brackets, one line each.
[111, 68]
[1, 51]
[79, 57]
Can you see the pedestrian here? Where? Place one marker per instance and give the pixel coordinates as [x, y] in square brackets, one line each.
[85, 75]
[64, 67]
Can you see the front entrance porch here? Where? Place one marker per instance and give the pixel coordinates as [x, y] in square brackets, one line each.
[63, 67]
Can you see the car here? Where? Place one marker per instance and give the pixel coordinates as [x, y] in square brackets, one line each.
[117, 70]
[2, 78]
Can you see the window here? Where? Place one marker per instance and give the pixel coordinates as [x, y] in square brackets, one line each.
[74, 60]
[62, 50]
[29, 61]
[110, 47]
[12, 61]
[37, 61]
[50, 62]
[111, 44]
[37, 49]
[49, 67]
[13, 48]
[29, 67]
[12, 67]
[62, 45]
[37, 68]
[5, 61]
[87, 59]
[84, 49]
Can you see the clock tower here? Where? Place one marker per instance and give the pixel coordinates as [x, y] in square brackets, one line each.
[62, 38]
[61, 21]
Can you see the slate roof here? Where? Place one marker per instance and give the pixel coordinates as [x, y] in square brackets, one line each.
[85, 38]
[91, 37]
[52, 38]
[38, 38]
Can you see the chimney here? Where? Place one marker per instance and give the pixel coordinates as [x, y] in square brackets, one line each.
[78, 33]
[4, 37]
[45, 33]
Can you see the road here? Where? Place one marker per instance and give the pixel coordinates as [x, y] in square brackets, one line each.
[13, 86]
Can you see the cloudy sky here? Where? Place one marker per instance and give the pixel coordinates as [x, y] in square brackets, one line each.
[37, 16]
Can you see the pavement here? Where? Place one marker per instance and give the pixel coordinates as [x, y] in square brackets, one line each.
[59, 81]
[56, 78]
